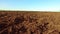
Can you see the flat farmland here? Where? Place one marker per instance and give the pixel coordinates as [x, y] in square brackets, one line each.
[26, 22]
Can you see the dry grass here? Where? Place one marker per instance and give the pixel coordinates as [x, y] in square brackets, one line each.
[13, 22]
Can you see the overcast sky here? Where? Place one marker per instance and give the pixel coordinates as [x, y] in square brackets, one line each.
[40, 5]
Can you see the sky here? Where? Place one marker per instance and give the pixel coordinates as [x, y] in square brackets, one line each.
[35, 5]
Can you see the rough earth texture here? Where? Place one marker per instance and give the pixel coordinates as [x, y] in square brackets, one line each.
[29, 22]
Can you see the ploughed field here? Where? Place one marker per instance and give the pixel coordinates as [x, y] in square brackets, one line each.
[13, 22]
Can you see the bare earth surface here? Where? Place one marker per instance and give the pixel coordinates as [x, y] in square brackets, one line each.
[29, 22]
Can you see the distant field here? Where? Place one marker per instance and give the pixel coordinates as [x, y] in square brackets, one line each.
[23, 22]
